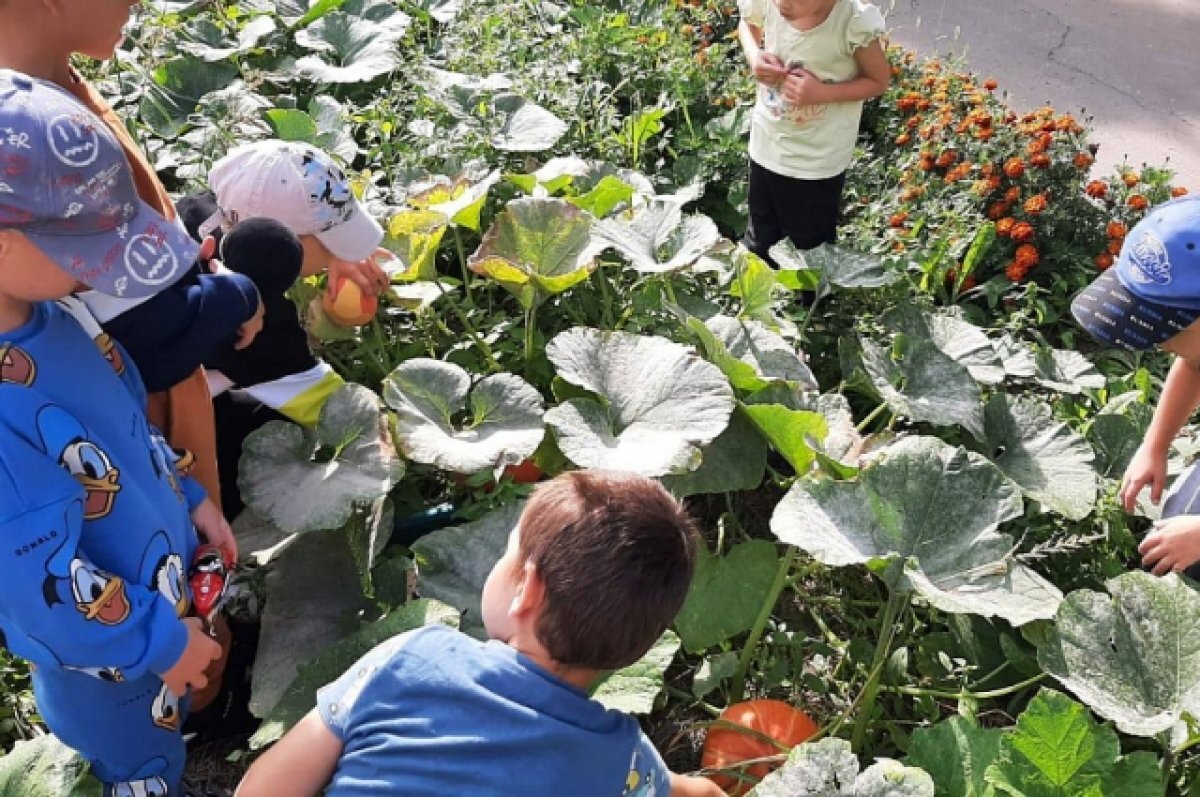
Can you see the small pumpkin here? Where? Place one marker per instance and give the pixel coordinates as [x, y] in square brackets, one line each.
[726, 747]
[351, 308]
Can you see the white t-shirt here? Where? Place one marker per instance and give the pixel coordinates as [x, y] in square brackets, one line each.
[810, 142]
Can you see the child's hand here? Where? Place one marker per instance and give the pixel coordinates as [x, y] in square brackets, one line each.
[803, 88]
[1148, 467]
[248, 331]
[769, 69]
[201, 650]
[213, 527]
[367, 274]
[1173, 545]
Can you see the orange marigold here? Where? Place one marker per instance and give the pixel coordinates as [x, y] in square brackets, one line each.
[1097, 189]
[1041, 160]
[903, 139]
[1036, 204]
[990, 84]
[1114, 245]
[1004, 227]
[911, 193]
[998, 210]
[947, 159]
[1022, 231]
[1027, 255]
[1014, 168]
[983, 133]
[1104, 261]
[1037, 145]
[1137, 202]
[1131, 178]
[1015, 271]
[1012, 194]
[1116, 229]
[898, 219]
[1083, 160]
[1178, 191]
[981, 188]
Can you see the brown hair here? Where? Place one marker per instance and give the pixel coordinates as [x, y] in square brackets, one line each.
[616, 553]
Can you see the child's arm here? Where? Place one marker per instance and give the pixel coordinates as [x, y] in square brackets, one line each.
[874, 74]
[367, 274]
[767, 67]
[688, 786]
[301, 764]
[1180, 397]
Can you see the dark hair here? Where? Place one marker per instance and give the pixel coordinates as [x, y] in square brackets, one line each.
[616, 553]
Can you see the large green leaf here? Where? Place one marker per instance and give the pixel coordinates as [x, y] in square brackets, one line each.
[323, 126]
[828, 768]
[207, 41]
[1051, 462]
[634, 689]
[305, 480]
[460, 200]
[750, 354]
[793, 433]
[924, 515]
[658, 404]
[368, 534]
[45, 767]
[1134, 657]
[329, 665]
[838, 266]
[959, 340]
[354, 44]
[735, 461]
[1058, 750]
[453, 563]
[919, 381]
[537, 248]
[524, 126]
[957, 754]
[727, 593]
[178, 86]
[503, 423]
[1066, 371]
[657, 238]
[414, 236]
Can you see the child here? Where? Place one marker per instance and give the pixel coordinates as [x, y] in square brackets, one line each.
[99, 526]
[163, 331]
[815, 62]
[1151, 297]
[597, 567]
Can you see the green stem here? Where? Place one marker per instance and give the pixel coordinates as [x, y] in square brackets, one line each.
[708, 708]
[1169, 755]
[738, 690]
[896, 604]
[462, 264]
[940, 694]
[875, 413]
[812, 309]
[530, 317]
[469, 328]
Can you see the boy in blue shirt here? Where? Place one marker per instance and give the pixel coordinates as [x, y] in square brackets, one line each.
[598, 566]
[98, 525]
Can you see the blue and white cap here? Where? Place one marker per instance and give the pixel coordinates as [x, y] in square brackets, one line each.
[66, 185]
[301, 187]
[1152, 292]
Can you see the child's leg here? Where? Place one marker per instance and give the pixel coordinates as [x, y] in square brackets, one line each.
[809, 209]
[763, 229]
[128, 731]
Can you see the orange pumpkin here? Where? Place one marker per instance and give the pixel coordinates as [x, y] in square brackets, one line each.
[725, 747]
[351, 308]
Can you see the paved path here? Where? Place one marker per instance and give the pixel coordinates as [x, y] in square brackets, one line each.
[1132, 65]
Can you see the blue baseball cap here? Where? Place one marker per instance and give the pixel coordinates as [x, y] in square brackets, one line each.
[66, 185]
[1152, 292]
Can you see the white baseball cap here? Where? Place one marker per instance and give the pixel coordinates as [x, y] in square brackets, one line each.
[301, 187]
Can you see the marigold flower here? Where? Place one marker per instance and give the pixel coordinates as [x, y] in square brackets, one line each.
[903, 139]
[1022, 231]
[1014, 168]
[1041, 160]
[983, 133]
[926, 164]
[998, 210]
[914, 192]
[988, 169]
[947, 159]
[1116, 229]
[1012, 194]
[1104, 261]
[1137, 202]
[1027, 256]
[981, 188]
[1004, 227]
[1067, 124]
[1036, 145]
[1131, 178]
[1114, 246]
[1178, 191]
[1015, 271]
[990, 84]
[1036, 204]
[1083, 160]
[898, 219]
[1097, 189]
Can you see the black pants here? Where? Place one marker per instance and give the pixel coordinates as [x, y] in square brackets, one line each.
[804, 210]
[237, 416]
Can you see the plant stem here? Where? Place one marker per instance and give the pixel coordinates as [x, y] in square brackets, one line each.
[738, 691]
[940, 694]
[812, 308]
[875, 413]
[896, 604]
[530, 317]
[469, 328]
[708, 708]
[462, 264]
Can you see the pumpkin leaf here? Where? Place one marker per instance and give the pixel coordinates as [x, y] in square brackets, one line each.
[462, 202]
[924, 517]
[634, 689]
[524, 126]
[609, 193]
[323, 126]
[750, 354]
[919, 381]
[537, 248]
[1051, 462]
[503, 424]
[207, 41]
[304, 480]
[791, 432]
[656, 404]
[1058, 749]
[368, 533]
[414, 236]
[957, 754]
[178, 85]
[828, 768]
[727, 593]
[755, 283]
[45, 767]
[357, 43]
[332, 662]
[1066, 371]
[657, 238]
[453, 563]
[735, 461]
[1130, 655]
[959, 340]
[838, 266]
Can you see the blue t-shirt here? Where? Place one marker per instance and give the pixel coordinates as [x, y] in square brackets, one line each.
[95, 526]
[435, 712]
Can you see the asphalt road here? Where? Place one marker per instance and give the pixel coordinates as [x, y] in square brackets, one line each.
[1133, 66]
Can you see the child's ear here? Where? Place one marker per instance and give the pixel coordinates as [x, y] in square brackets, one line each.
[530, 592]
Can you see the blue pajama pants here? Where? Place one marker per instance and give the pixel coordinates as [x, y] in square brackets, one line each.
[130, 731]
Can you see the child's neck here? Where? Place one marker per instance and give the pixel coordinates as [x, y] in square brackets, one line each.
[14, 313]
[814, 18]
[31, 55]
[575, 676]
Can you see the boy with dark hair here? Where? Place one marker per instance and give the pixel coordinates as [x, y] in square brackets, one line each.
[598, 566]
[98, 523]
[1149, 298]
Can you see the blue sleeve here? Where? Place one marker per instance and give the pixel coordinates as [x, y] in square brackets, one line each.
[175, 332]
[335, 702]
[647, 772]
[57, 609]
